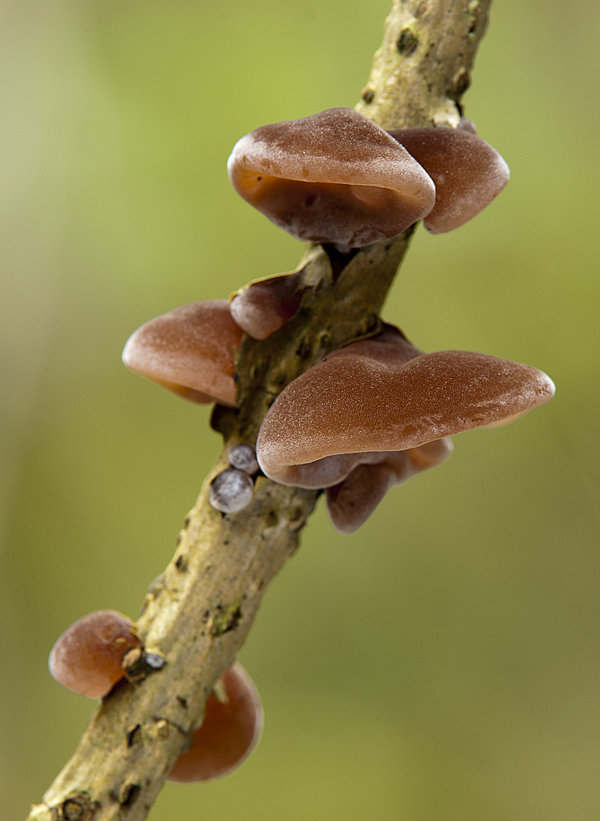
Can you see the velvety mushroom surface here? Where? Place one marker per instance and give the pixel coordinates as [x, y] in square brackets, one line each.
[353, 403]
[230, 730]
[87, 657]
[189, 351]
[332, 177]
[468, 173]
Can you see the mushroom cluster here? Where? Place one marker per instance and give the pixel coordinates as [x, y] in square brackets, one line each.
[91, 656]
[378, 411]
[337, 177]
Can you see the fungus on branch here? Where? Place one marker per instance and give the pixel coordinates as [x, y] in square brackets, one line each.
[88, 657]
[229, 732]
[189, 351]
[468, 173]
[350, 503]
[332, 177]
[231, 490]
[380, 396]
[265, 305]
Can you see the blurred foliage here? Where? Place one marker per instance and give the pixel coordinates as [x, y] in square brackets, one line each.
[443, 662]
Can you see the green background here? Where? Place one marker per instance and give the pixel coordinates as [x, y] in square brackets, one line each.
[443, 662]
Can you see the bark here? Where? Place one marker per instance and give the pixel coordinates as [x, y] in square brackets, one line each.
[197, 614]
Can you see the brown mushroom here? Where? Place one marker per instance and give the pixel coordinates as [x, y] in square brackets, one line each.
[333, 177]
[189, 351]
[265, 305]
[350, 503]
[230, 731]
[468, 173]
[384, 395]
[87, 658]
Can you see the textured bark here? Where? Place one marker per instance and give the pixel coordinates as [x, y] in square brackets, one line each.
[198, 613]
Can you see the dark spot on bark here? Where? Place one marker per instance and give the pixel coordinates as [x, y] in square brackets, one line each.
[367, 94]
[128, 793]
[133, 734]
[407, 42]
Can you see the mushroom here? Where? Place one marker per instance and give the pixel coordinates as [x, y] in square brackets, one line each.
[350, 503]
[230, 731]
[265, 305]
[87, 658]
[383, 395]
[468, 173]
[189, 351]
[333, 177]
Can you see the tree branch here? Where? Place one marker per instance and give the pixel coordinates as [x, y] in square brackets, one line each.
[199, 611]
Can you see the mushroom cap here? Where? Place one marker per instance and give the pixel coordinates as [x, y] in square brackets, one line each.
[350, 403]
[332, 177]
[350, 503]
[189, 351]
[265, 305]
[230, 731]
[87, 657]
[468, 173]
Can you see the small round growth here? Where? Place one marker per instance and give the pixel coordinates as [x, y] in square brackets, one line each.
[265, 305]
[190, 351]
[87, 657]
[334, 177]
[468, 173]
[231, 490]
[230, 731]
[243, 457]
[366, 417]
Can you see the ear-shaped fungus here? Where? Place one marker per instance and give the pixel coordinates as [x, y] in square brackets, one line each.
[468, 173]
[189, 351]
[350, 503]
[332, 177]
[87, 657]
[265, 305]
[230, 731]
[383, 395]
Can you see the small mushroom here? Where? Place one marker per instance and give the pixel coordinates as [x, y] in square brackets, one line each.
[333, 177]
[230, 731]
[383, 395]
[87, 658]
[468, 173]
[189, 351]
[265, 305]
